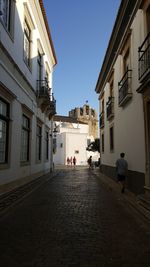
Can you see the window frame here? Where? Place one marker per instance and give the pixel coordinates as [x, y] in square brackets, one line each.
[38, 144]
[6, 119]
[111, 138]
[46, 145]
[103, 143]
[25, 129]
[27, 37]
[39, 66]
[8, 22]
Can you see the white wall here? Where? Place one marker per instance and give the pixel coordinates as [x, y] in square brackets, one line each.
[72, 142]
[128, 120]
[73, 137]
[14, 44]
[24, 96]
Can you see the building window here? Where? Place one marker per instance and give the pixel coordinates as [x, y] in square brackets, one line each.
[111, 134]
[101, 117]
[87, 110]
[27, 46]
[6, 13]
[126, 61]
[125, 84]
[38, 142]
[46, 145]
[93, 112]
[47, 76]
[4, 130]
[103, 143]
[25, 139]
[39, 66]
[110, 102]
[76, 152]
[81, 111]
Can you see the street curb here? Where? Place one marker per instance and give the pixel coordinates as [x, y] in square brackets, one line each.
[127, 198]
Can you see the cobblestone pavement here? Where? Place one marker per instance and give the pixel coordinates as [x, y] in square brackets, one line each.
[13, 196]
[73, 219]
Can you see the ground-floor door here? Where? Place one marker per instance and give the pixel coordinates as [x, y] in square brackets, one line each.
[148, 144]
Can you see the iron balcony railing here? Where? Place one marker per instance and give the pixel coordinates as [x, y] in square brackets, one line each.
[43, 89]
[46, 99]
[125, 88]
[101, 119]
[110, 107]
[144, 58]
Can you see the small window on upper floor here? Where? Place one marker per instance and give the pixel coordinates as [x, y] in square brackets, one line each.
[110, 100]
[39, 67]
[7, 14]
[28, 29]
[126, 61]
[93, 112]
[27, 44]
[111, 138]
[112, 87]
[126, 55]
[87, 110]
[47, 76]
[125, 83]
[101, 119]
[81, 111]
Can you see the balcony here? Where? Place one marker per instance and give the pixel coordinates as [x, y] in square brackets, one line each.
[101, 119]
[125, 88]
[110, 108]
[45, 98]
[144, 59]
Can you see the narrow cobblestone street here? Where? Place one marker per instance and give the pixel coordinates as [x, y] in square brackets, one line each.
[73, 219]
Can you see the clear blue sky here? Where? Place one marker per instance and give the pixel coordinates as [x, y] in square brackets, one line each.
[80, 31]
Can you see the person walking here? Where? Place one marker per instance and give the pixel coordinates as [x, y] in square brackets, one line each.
[68, 161]
[71, 161]
[74, 161]
[122, 169]
[90, 162]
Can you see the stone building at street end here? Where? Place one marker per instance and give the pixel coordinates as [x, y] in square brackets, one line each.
[88, 115]
[124, 95]
[27, 105]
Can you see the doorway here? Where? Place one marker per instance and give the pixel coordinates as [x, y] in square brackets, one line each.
[148, 144]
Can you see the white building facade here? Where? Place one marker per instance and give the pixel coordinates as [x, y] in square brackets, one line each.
[26, 99]
[124, 74]
[71, 140]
